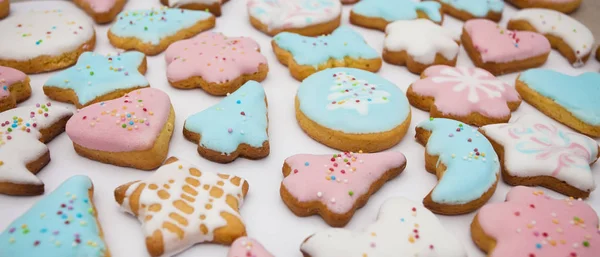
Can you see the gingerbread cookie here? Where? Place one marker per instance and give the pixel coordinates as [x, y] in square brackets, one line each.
[40, 40]
[152, 31]
[349, 110]
[567, 35]
[455, 152]
[307, 55]
[4, 8]
[502, 51]
[102, 11]
[180, 206]
[131, 131]
[304, 17]
[565, 6]
[473, 9]
[216, 63]
[576, 106]
[377, 14]
[237, 126]
[244, 246]
[403, 228]
[562, 158]
[23, 153]
[213, 6]
[63, 223]
[336, 186]
[419, 44]
[530, 223]
[471, 95]
[98, 78]
[14, 88]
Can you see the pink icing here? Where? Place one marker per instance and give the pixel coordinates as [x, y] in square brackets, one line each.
[214, 57]
[499, 45]
[130, 123]
[247, 247]
[101, 6]
[462, 91]
[338, 180]
[536, 225]
[9, 76]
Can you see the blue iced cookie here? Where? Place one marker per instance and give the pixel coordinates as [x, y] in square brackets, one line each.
[377, 14]
[237, 126]
[352, 110]
[571, 100]
[464, 161]
[474, 9]
[307, 55]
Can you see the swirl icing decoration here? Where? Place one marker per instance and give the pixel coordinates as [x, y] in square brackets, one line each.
[398, 10]
[14, 88]
[280, 15]
[403, 228]
[249, 247]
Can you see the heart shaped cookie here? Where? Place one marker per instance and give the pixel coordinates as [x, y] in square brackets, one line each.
[131, 131]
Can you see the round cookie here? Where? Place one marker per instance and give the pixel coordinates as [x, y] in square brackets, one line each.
[14, 88]
[304, 17]
[38, 40]
[377, 14]
[473, 9]
[565, 6]
[349, 110]
[213, 6]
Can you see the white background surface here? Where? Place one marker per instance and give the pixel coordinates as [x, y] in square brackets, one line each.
[267, 218]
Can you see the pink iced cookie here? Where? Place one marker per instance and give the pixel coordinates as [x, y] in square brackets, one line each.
[215, 63]
[470, 95]
[531, 224]
[500, 51]
[335, 186]
[14, 88]
[102, 11]
[247, 247]
[131, 131]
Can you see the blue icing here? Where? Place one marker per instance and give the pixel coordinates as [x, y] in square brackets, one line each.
[239, 118]
[352, 101]
[154, 24]
[467, 175]
[61, 224]
[580, 95]
[393, 10]
[314, 51]
[96, 75]
[478, 8]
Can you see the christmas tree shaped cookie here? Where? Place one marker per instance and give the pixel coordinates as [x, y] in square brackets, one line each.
[180, 206]
[152, 31]
[63, 223]
[403, 228]
[335, 186]
[237, 126]
[244, 246]
[464, 162]
[98, 78]
[349, 110]
[23, 153]
[14, 88]
[377, 14]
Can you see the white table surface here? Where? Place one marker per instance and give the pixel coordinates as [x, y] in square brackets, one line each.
[267, 218]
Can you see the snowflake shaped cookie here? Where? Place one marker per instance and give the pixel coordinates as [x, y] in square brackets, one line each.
[376, 14]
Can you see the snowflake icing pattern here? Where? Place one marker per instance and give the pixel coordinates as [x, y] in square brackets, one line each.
[472, 80]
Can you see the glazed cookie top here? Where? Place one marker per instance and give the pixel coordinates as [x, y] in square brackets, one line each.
[245, 246]
[403, 228]
[214, 57]
[421, 39]
[130, 123]
[477, 8]
[151, 26]
[286, 14]
[559, 153]
[463, 91]
[352, 101]
[30, 34]
[576, 35]
[499, 45]
[343, 42]
[580, 99]
[62, 223]
[20, 139]
[101, 6]
[8, 77]
[240, 118]
[472, 166]
[398, 9]
[534, 224]
[337, 181]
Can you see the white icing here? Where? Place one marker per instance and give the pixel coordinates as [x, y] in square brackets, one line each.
[421, 39]
[60, 31]
[478, 80]
[282, 14]
[178, 3]
[535, 147]
[359, 99]
[24, 147]
[179, 172]
[392, 235]
[576, 35]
